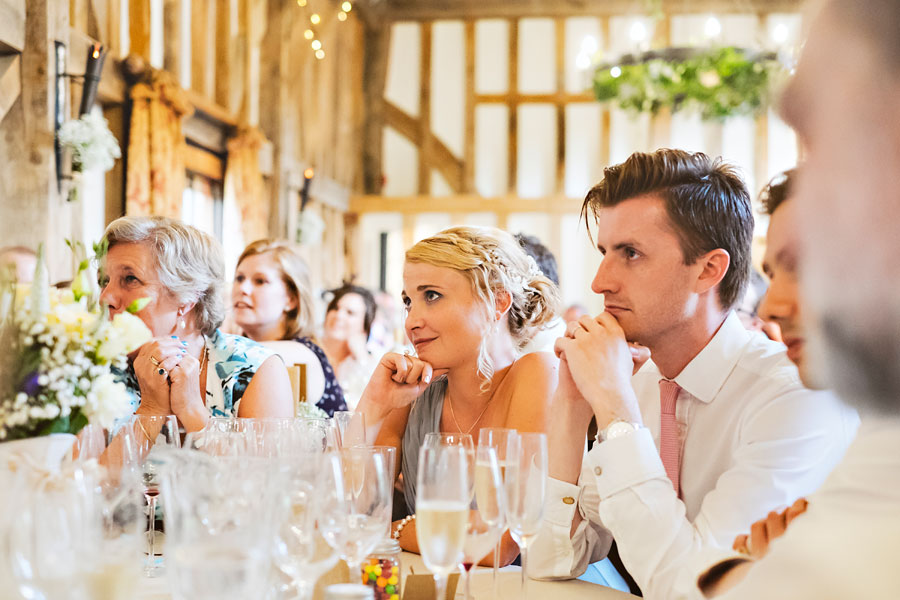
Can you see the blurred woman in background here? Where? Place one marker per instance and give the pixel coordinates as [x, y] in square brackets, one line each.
[345, 335]
[272, 304]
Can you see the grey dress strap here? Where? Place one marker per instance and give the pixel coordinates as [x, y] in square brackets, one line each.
[424, 417]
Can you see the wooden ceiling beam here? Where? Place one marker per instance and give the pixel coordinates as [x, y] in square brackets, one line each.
[423, 10]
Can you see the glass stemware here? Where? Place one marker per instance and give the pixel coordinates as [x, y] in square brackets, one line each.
[301, 551]
[488, 519]
[351, 428]
[358, 493]
[442, 510]
[498, 439]
[150, 434]
[526, 481]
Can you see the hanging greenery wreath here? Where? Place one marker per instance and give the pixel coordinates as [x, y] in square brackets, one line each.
[719, 82]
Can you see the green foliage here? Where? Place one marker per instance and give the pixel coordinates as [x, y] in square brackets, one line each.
[720, 82]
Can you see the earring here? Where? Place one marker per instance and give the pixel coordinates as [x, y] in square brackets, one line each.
[181, 323]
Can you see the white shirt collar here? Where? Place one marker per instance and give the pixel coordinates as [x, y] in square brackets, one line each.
[705, 375]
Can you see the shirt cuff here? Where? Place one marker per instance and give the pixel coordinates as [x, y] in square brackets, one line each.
[562, 502]
[625, 461]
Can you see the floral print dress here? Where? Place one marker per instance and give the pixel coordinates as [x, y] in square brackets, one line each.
[233, 360]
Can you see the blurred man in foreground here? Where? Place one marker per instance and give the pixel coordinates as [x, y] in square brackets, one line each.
[843, 104]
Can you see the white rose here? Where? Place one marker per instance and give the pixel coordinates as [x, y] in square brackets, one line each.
[127, 333]
[709, 79]
[110, 401]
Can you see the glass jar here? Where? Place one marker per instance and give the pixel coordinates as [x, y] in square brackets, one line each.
[348, 591]
[381, 570]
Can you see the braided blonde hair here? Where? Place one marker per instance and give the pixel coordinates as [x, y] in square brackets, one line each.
[494, 262]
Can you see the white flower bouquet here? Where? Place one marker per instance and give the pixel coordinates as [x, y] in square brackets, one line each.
[92, 143]
[62, 353]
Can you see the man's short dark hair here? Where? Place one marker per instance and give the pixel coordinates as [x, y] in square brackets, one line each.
[545, 260]
[777, 191]
[706, 201]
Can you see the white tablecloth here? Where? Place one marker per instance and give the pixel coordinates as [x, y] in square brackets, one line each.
[482, 585]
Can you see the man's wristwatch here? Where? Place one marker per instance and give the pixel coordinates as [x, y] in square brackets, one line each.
[616, 429]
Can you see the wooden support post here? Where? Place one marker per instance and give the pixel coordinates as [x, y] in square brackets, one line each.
[513, 144]
[425, 111]
[468, 184]
[377, 46]
[139, 28]
[560, 105]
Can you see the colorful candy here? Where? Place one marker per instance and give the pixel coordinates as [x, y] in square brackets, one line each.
[383, 574]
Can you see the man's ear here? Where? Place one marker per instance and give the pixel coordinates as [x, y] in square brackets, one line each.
[714, 265]
[502, 303]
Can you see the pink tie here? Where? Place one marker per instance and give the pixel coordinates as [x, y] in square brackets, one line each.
[669, 442]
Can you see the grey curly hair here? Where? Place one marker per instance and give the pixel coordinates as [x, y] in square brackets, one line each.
[189, 263]
[494, 262]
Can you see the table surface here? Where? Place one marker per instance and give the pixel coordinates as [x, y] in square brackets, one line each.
[508, 580]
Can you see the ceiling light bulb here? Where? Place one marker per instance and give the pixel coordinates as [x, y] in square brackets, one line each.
[712, 28]
[638, 31]
[308, 34]
[315, 19]
[320, 54]
[316, 44]
[342, 16]
[346, 6]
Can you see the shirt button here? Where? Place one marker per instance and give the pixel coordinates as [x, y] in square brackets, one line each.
[568, 500]
[598, 471]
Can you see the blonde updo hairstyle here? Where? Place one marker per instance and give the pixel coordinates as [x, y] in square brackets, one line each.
[494, 262]
[299, 321]
[189, 263]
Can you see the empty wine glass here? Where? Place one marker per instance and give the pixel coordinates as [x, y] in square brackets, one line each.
[222, 520]
[301, 551]
[360, 492]
[151, 433]
[526, 481]
[442, 510]
[498, 439]
[50, 534]
[439, 438]
[351, 428]
[488, 519]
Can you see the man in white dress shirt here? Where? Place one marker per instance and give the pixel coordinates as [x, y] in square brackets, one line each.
[843, 104]
[715, 431]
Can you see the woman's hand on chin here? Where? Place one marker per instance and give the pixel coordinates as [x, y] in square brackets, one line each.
[159, 354]
[184, 395]
[398, 380]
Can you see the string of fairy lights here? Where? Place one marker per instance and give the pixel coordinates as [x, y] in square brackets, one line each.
[316, 20]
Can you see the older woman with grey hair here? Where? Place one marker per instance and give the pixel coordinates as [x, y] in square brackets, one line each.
[173, 275]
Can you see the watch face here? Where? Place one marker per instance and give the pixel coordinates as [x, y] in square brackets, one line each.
[618, 428]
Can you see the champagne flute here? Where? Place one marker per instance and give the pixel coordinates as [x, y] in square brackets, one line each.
[498, 439]
[488, 520]
[439, 438]
[351, 428]
[526, 481]
[442, 510]
[151, 432]
[358, 489]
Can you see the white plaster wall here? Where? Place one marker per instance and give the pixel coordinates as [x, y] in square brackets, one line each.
[448, 84]
[403, 80]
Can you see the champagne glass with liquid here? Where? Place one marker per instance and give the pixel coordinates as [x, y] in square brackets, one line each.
[498, 439]
[488, 519]
[442, 510]
[526, 484]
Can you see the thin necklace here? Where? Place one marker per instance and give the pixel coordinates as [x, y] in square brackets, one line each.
[486, 406]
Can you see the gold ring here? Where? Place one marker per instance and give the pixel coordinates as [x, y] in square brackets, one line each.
[155, 361]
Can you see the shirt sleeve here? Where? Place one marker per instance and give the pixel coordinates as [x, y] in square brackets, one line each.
[556, 553]
[781, 454]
